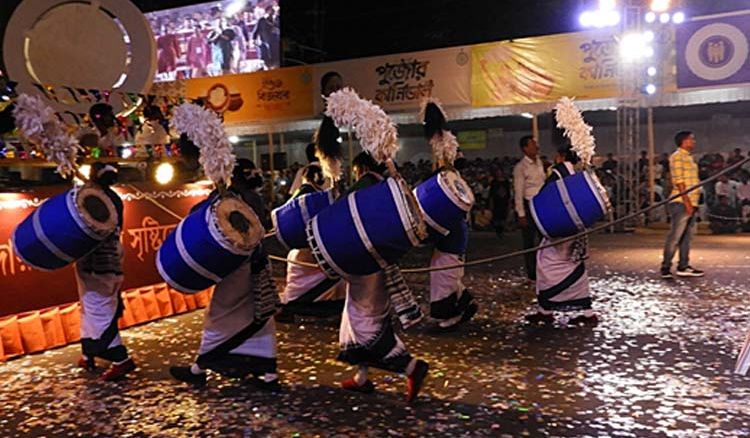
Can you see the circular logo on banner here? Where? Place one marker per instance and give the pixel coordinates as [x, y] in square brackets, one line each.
[716, 52]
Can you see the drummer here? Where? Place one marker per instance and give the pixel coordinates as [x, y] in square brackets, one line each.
[99, 276]
[238, 340]
[562, 283]
[308, 291]
[366, 336]
[451, 303]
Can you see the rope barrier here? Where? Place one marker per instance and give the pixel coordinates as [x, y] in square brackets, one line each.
[519, 253]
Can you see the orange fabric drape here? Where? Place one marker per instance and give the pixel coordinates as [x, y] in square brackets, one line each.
[71, 320]
[10, 336]
[53, 327]
[163, 300]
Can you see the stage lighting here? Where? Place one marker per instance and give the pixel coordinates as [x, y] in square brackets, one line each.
[164, 173]
[664, 18]
[634, 46]
[650, 17]
[651, 71]
[527, 115]
[659, 5]
[678, 18]
[607, 5]
[233, 139]
[126, 152]
[651, 89]
[586, 19]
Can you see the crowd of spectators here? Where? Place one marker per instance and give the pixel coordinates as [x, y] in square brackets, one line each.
[725, 205]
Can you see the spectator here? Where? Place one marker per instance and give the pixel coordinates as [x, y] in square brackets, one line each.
[723, 217]
[499, 201]
[528, 179]
[610, 164]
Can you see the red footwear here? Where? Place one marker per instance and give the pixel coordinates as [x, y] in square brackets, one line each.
[366, 388]
[540, 318]
[116, 372]
[87, 364]
[584, 320]
[416, 380]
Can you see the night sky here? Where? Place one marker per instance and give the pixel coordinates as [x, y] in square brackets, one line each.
[326, 30]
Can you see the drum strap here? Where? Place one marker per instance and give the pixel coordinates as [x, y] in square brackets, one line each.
[352, 200]
[571, 209]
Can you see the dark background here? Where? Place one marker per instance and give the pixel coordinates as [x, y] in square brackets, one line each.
[326, 30]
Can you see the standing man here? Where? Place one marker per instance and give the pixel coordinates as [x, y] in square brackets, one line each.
[528, 179]
[684, 173]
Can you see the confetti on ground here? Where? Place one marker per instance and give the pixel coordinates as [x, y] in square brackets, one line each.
[659, 364]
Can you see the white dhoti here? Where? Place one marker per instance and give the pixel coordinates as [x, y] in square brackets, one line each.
[233, 342]
[449, 297]
[101, 306]
[309, 291]
[561, 279]
[366, 336]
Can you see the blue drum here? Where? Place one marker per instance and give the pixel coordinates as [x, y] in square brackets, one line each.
[367, 230]
[454, 242]
[444, 199]
[569, 205]
[290, 220]
[209, 244]
[65, 228]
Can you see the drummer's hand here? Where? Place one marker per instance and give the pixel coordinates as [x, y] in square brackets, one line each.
[523, 221]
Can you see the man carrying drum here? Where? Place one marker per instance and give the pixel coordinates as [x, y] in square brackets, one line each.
[99, 276]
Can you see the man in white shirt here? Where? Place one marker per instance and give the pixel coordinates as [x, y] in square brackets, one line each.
[528, 179]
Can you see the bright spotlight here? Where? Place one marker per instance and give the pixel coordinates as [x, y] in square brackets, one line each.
[678, 18]
[651, 71]
[586, 19]
[610, 18]
[234, 139]
[127, 152]
[613, 108]
[607, 5]
[648, 36]
[648, 51]
[633, 46]
[651, 89]
[527, 115]
[84, 170]
[664, 18]
[164, 173]
[650, 17]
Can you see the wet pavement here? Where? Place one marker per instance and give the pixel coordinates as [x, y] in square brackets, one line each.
[659, 364]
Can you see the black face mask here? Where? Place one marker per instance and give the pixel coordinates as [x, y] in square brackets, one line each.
[255, 181]
[107, 179]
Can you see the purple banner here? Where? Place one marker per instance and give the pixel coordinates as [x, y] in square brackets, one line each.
[713, 52]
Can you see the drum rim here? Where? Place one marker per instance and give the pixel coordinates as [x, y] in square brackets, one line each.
[535, 217]
[361, 232]
[275, 224]
[71, 201]
[330, 268]
[599, 192]
[455, 199]
[218, 235]
[169, 280]
[411, 222]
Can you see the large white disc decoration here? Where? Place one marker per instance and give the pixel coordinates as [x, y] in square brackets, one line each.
[88, 44]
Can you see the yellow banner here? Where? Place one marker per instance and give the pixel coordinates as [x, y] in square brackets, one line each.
[267, 95]
[584, 65]
[472, 140]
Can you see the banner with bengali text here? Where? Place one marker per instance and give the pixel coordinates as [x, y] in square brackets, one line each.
[401, 81]
[584, 65]
[266, 95]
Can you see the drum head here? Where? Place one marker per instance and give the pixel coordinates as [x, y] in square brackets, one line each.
[413, 212]
[457, 189]
[238, 223]
[96, 210]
